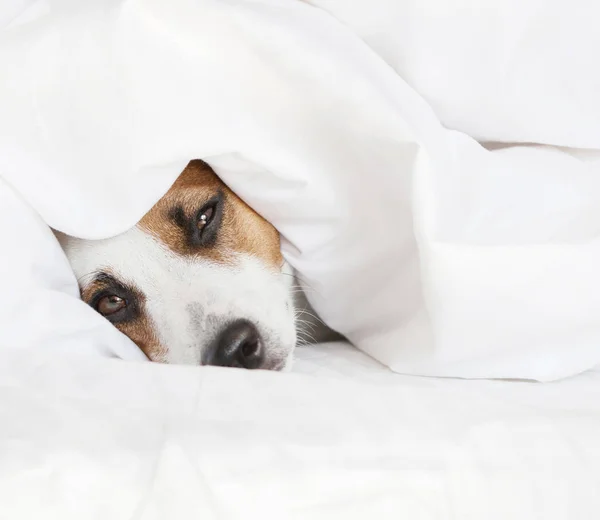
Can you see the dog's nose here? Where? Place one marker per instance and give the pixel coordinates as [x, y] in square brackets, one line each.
[239, 345]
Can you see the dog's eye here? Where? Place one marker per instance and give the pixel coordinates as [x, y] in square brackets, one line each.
[201, 228]
[207, 223]
[109, 305]
[205, 217]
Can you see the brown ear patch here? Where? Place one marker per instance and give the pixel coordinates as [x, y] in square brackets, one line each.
[241, 229]
[139, 328]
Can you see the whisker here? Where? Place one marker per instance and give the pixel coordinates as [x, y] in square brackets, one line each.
[305, 285]
[310, 314]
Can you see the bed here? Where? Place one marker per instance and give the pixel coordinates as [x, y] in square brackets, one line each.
[433, 168]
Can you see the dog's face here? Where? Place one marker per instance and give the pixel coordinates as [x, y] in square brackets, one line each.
[199, 280]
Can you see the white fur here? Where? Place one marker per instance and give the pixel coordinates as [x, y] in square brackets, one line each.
[190, 299]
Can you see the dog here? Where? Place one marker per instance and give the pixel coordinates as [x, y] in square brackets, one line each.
[199, 280]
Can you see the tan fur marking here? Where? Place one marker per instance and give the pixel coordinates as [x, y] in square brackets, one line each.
[140, 330]
[242, 229]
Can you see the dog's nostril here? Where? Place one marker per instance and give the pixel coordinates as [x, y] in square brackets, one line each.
[239, 345]
[250, 348]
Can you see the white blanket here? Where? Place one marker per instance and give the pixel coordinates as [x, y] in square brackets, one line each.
[342, 439]
[354, 132]
[429, 252]
[514, 71]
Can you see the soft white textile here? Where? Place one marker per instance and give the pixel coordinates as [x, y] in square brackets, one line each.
[431, 253]
[345, 439]
[510, 70]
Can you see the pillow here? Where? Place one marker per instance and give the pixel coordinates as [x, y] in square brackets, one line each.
[430, 253]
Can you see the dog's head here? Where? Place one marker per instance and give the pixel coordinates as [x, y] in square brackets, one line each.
[199, 280]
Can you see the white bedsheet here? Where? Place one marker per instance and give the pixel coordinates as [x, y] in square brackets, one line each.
[342, 437]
